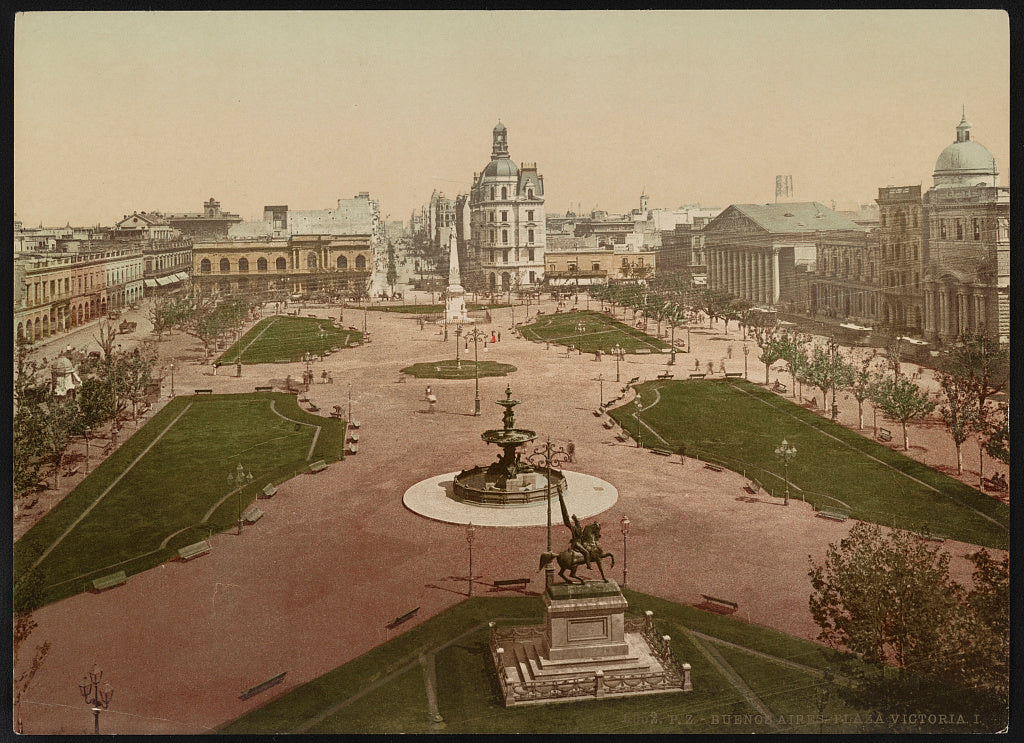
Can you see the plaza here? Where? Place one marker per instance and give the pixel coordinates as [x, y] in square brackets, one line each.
[337, 556]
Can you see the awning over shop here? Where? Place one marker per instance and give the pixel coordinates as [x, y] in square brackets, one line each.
[150, 283]
[164, 280]
[181, 275]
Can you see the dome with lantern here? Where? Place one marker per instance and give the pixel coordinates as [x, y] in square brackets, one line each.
[965, 162]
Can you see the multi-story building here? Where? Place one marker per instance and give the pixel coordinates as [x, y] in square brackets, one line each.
[507, 225]
[762, 253]
[210, 224]
[966, 256]
[845, 283]
[682, 251]
[901, 254]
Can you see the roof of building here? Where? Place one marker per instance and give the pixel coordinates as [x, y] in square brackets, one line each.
[500, 167]
[966, 158]
[801, 216]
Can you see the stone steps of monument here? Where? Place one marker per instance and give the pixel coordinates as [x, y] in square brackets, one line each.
[522, 662]
[635, 661]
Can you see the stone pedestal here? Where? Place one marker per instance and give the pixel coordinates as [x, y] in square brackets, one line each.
[584, 621]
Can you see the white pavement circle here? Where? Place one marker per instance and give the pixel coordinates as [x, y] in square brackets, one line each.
[586, 496]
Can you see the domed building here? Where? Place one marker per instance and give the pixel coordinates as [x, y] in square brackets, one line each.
[506, 204]
[966, 256]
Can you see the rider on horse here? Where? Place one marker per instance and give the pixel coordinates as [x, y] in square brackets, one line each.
[577, 543]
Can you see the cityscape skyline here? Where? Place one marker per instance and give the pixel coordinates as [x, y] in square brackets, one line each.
[159, 111]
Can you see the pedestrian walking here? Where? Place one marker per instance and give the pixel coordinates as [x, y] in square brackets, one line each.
[721, 366]
[238, 369]
[570, 450]
[711, 367]
[728, 352]
[696, 364]
[499, 335]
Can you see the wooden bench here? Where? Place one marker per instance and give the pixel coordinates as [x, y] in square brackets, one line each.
[517, 582]
[720, 606]
[598, 413]
[714, 467]
[622, 437]
[252, 514]
[662, 452]
[642, 350]
[254, 690]
[754, 486]
[813, 402]
[265, 389]
[313, 408]
[194, 550]
[403, 618]
[318, 466]
[665, 375]
[353, 448]
[204, 392]
[109, 581]
[609, 424]
[884, 434]
[832, 514]
[779, 387]
[353, 424]
[269, 490]
[70, 472]
[733, 375]
[697, 376]
[353, 437]
[634, 380]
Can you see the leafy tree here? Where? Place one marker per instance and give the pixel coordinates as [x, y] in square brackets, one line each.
[983, 362]
[958, 411]
[712, 303]
[827, 370]
[765, 333]
[161, 312]
[792, 348]
[987, 661]
[862, 385]
[736, 310]
[207, 325]
[27, 592]
[58, 421]
[902, 401]
[94, 405]
[28, 436]
[134, 374]
[392, 276]
[995, 428]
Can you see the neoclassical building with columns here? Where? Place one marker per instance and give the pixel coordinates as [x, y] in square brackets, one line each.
[762, 252]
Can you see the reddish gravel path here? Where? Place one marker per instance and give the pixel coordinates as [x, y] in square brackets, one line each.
[336, 556]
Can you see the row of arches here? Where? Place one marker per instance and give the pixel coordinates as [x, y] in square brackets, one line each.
[280, 265]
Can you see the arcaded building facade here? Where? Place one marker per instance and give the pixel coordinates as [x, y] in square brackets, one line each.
[507, 225]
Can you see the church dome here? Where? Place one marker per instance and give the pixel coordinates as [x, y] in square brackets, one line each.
[501, 168]
[965, 162]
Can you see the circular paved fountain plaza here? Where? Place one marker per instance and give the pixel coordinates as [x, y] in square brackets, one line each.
[341, 553]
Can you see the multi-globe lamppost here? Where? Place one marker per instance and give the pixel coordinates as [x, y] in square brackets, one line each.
[746, 353]
[636, 416]
[240, 478]
[624, 524]
[785, 452]
[94, 695]
[476, 335]
[548, 455]
[617, 350]
[469, 538]
[580, 329]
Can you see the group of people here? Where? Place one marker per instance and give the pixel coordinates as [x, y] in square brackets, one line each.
[710, 369]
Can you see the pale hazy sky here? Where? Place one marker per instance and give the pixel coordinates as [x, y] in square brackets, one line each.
[116, 111]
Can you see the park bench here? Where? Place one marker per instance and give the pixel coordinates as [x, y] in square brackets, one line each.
[283, 361]
[714, 467]
[313, 316]
[204, 392]
[754, 486]
[353, 448]
[353, 437]
[267, 388]
[811, 401]
[109, 581]
[665, 375]
[353, 424]
[193, 550]
[317, 466]
[642, 350]
[779, 387]
[71, 471]
[254, 690]
[733, 375]
[662, 452]
[831, 514]
[403, 618]
[269, 490]
[622, 437]
[517, 582]
[252, 514]
[609, 424]
[634, 380]
[313, 408]
[697, 376]
[884, 434]
[598, 413]
[719, 606]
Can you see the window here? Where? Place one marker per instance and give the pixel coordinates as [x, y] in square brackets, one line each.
[572, 267]
[492, 256]
[504, 236]
[531, 255]
[533, 277]
[504, 256]
[529, 193]
[504, 216]
[492, 193]
[529, 236]
[360, 261]
[504, 192]
[529, 215]
[342, 261]
[959, 230]
[977, 229]
[595, 266]
[282, 264]
[243, 265]
[913, 215]
[551, 267]
[311, 261]
[881, 219]
[261, 264]
[942, 228]
[490, 217]
[492, 235]
[224, 265]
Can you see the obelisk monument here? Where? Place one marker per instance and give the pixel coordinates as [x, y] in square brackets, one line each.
[455, 300]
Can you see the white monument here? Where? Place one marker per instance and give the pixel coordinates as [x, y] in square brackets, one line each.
[65, 376]
[454, 295]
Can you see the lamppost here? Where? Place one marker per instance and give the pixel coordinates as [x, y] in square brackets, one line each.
[321, 334]
[364, 316]
[672, 341]
[624, 522]
[458, 339]
[476, 334]
[172, 379]
[349, 402]
[746, 353]
[636, 417]
[833, 348]
[469, 538]
[240, 478]
[580, 327]
[785, 452]
[617, 350]
[600, 381]
[549, 454]
[98, 697]
[308, 358]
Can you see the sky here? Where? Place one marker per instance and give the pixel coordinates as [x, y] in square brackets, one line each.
[158, 111]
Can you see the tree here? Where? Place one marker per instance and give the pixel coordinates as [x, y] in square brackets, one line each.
[902, 401]
[862, 385]
[28, 436]
[712, 303]
[27, 592]
[792, 348]
[827, 370]
[958, 411]
[58, 422]
[94, 405]
[206, 324]
[106, 338]
[736, 310]
[134, 374]
[161, 313]
[995, 428]
[986, 662]
[887, 597]
[983, 363]
[392, 275]
[765, 333]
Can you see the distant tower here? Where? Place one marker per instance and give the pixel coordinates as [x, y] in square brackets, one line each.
[783, 188]
[643, 202]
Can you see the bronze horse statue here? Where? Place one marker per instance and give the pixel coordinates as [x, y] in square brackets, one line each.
[570, 559]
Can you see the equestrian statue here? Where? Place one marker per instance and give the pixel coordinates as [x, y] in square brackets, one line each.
[583, 548]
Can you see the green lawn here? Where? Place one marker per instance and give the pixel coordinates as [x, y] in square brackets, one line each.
[447, 369]
[600, 333]
[134, 508]
[384, 691]
[739, 425]
[283, 338]
[428, 309]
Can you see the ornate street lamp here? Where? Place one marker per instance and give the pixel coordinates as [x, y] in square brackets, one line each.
[458, 339]
[600, 381]
[785, 452]
[321, 334]
[350, 402]
[477, 335]
[98, 697]
[469, 538]
[580, 328]
[636, 417]
[833, 348]
[172, 379]
[746, 353]
[240, 478]
[549, 454]
[617, 350]
[624, 523]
